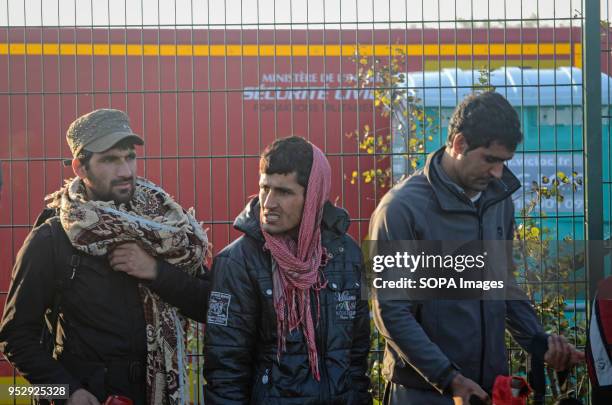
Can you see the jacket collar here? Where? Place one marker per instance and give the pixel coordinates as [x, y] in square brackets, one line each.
[335, 219]
[451, 197]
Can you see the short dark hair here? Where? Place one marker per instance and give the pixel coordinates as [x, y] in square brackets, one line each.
[485, 118]
[85, 156]
[287, 155]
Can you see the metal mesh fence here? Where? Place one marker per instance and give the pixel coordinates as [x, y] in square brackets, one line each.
[208, 84]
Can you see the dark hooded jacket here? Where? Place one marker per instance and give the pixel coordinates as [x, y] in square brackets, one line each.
[429, 341]
[242, 362]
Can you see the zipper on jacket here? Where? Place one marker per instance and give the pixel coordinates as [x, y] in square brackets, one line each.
[266, 377]
[482, 343]
[479, 214]
[321, 350]
[483, 325]
[260, 385]
[482, 316]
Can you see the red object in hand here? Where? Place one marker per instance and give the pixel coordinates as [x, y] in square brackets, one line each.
[510, 390]
[118, 400]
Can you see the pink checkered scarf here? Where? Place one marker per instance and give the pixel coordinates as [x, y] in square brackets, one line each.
[297, 264]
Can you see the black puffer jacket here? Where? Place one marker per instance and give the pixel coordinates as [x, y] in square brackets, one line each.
[241, 340]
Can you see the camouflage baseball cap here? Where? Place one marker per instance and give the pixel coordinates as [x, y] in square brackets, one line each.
[99, 131]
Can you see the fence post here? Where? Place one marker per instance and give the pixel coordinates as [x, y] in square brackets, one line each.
[592, 141]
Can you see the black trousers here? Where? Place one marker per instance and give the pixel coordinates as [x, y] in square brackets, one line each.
[112, 377]
[601, 396]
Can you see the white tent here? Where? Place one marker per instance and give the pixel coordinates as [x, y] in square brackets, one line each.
[522, 87]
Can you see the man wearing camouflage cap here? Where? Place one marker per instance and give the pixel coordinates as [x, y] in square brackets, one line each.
[112, 273]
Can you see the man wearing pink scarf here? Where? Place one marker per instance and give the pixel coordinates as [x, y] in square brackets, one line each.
[287, 324]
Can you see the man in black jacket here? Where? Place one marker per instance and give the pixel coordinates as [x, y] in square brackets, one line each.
[440, 349]
[286, 321]
[123, 263]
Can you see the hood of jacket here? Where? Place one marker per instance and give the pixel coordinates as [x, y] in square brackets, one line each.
[335, 219]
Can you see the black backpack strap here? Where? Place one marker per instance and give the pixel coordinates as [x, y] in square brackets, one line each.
[45, 214]
[66, 261]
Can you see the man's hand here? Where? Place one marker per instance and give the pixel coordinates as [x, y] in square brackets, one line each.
[463, 388]
[562, 355]
[130, 258]
[82, 397]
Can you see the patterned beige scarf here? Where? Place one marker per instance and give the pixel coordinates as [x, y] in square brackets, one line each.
[165, 231]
